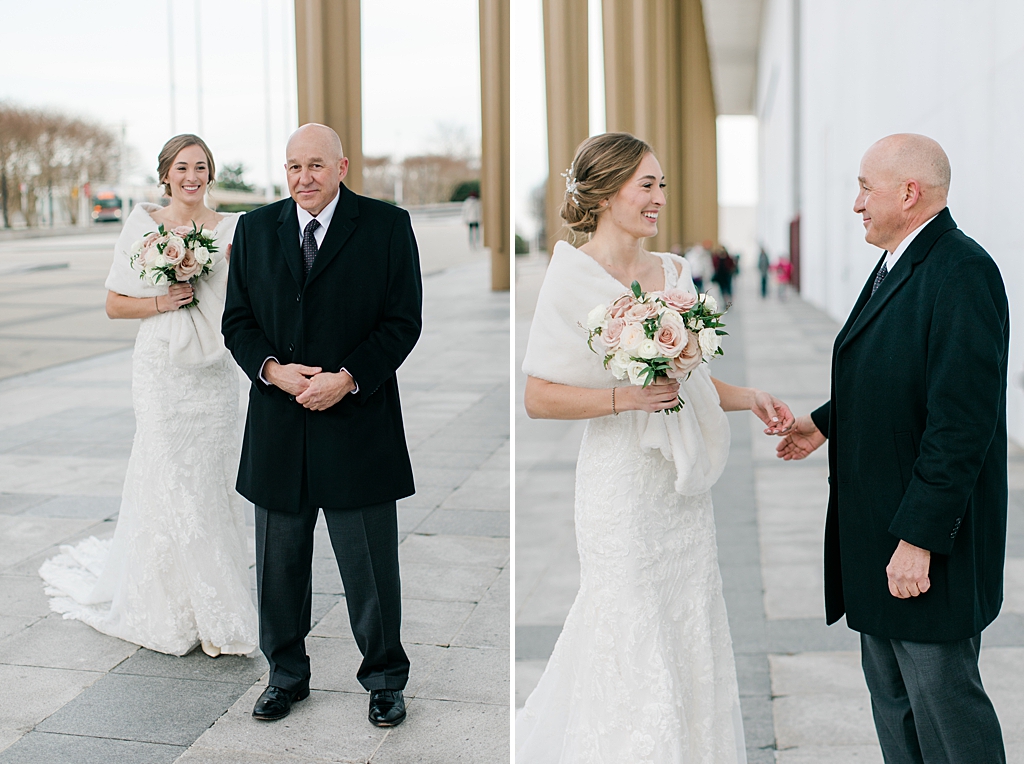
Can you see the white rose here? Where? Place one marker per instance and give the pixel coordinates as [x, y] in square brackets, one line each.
[618, 364]
[158, 262]
[648, 349]
[595, 318]
[203, 256]
[709, 342]
[635, 369]
[631, 337]
[137, 247]
[710, 302]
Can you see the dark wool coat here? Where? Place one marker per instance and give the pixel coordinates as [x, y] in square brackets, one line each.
[359, 308]
[916, 429]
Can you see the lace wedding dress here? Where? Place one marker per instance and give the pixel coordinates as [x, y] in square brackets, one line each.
[176, 572]
[643, 670]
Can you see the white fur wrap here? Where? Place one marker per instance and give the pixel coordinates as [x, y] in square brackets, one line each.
[696, 438]
[192, 334]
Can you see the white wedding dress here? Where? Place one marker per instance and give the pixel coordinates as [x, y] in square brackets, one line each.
[643, 670]
[176, 572]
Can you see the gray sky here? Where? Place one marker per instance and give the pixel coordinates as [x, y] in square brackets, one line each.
[737, 136]
[108, 61]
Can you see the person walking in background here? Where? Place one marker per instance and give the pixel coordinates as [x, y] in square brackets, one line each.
[471, 217]
[176, 573]
[701, 268]
[724, 269]
[784, 275]
[764, 268]
[324, 304]
[915, 534]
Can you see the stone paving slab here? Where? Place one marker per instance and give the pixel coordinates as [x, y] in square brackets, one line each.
[47, 748]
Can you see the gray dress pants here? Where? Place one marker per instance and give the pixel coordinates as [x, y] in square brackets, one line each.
[928, 702]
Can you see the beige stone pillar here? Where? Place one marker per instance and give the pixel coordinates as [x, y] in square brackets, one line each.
[568, 98]
[658, 87]
[495, 171]
[328, 55]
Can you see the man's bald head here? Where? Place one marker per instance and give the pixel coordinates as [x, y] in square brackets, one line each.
[316, 165]
[909, 156]
[317, 135]
[904, 181]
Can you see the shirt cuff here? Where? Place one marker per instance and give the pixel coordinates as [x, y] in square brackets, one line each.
[262, 378]
[356, 390]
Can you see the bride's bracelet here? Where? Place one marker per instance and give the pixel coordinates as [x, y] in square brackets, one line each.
[616, 413]
[156, 304]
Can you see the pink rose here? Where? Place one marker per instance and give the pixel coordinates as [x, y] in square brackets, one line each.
[174, 250]
[620, 306]
[612, 333]
[182, 230]
[689, 358]
[188, 267]
[671, 336]
[678, 299]
[641, 311]
[152, 239]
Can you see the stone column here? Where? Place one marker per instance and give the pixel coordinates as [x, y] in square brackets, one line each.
[328, 55]
[495, 172]
[658, 87]
[568, 98]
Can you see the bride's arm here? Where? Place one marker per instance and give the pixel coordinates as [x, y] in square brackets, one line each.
[548, 400]
[765, 406]
[122, 306]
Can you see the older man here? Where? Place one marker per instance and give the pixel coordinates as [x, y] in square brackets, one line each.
[916, 425]
[323, 305]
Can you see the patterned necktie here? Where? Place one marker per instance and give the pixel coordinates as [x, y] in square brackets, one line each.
[879, 277]
[309, 244]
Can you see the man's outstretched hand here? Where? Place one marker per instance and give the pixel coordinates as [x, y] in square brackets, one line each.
[800, 441]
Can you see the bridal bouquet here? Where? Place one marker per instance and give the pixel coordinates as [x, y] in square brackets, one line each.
[181, 254]
[645, 335]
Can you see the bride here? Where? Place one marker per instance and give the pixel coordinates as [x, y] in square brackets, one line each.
[643, 670]
[175, 573]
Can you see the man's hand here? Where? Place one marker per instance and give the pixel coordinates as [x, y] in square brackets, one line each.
[325, 390]
[293, 378]
[801, 441]
[908, 571]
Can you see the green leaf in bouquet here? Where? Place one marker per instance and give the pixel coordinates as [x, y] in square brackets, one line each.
[637, 291]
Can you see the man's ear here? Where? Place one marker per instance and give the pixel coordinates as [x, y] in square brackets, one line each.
[343, 169]
[912, 194]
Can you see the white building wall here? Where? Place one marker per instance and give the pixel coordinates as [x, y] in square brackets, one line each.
[945, 68]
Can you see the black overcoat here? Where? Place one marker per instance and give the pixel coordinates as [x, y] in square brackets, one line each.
[359, 308]
[916, 429]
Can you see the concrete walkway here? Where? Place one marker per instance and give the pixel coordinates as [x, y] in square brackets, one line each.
[803, 694]
[70, 694]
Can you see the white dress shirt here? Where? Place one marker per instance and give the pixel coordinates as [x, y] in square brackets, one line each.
[324, 218]
[892, 257]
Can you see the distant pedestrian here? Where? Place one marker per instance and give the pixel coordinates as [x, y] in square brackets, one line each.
[764, 266]
[725, 268]
[471, 217]
[701, 269]
[784, 276]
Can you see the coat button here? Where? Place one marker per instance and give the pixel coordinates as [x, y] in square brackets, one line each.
[291, 398]
[298, 297]
[291, 348]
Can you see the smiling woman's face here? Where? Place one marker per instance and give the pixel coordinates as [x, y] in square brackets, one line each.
[189, 175]
[634, 208]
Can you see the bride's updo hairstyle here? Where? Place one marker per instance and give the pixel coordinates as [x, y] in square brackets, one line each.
[172, 148]
[602, 165]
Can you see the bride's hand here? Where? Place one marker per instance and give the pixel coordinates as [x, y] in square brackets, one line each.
[772, 412]
[661, 394]
[177, 296]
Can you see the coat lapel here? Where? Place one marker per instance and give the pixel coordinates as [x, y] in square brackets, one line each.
[901, 272]
[288, 235]
[342, 225]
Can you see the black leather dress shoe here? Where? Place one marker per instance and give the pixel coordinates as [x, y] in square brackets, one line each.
[276, 702]
[387, 708]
